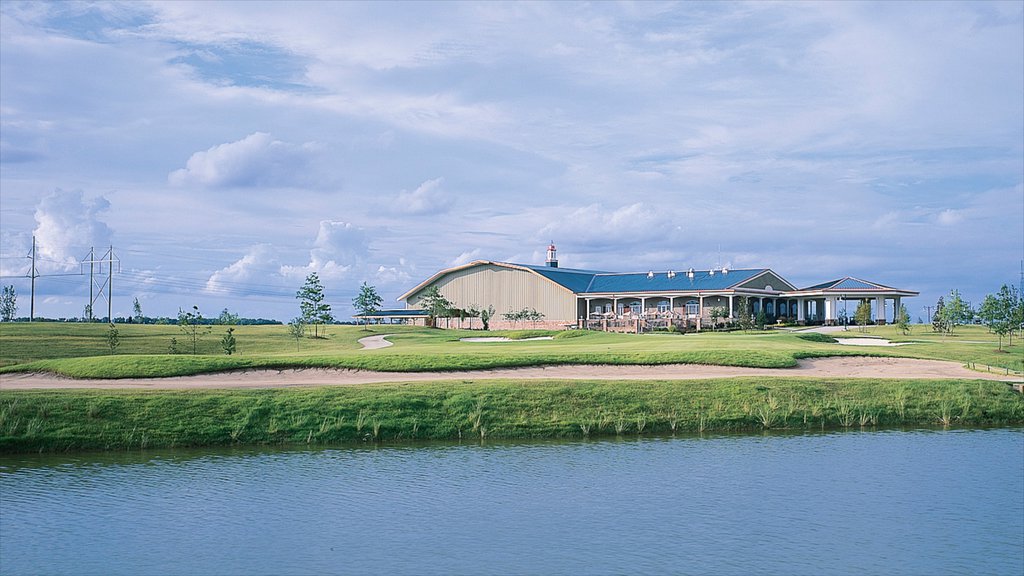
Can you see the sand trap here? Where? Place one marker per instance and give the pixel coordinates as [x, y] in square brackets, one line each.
[374, 342]
[836, 367]
[869, 342]
[503, 339]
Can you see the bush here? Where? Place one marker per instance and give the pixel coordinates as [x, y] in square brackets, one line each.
[817, 337]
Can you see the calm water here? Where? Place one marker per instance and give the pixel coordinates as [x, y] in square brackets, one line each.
[929, 502]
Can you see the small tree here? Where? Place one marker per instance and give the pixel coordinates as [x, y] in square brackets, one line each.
[191, 324]
[903, 320]
[228, 342]
[113, 338]
[367, 302]
[297, 329]
[761, 319]
[436, 305]
[532, 315]
[936, 319]
[173, 347]
[485, 317]
[136, 311]
[8, 304]
[862, 316]
[311, 302]
[87, 313]
[744, 317]
[955, 312]
[226, 318]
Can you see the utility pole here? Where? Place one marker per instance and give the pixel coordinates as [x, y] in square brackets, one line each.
[33, 274]
[109, 258]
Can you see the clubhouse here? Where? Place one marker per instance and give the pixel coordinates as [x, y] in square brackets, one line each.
[688, 299]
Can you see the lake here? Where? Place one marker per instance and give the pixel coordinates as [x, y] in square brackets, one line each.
[867, 502]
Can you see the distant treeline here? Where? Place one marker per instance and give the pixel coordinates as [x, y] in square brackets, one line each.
[160, 320]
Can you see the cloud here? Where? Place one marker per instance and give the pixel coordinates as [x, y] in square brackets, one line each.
[427, 198]
[599, 226]
[256, 160]
[465, 257]
[949, 217]
[339, 247]
[251, 268]
[67, 225]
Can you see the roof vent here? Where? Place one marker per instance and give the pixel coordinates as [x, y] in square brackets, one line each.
[690, 273]
[725, 269]
[711, 272]
[650, 274]
[671, 274]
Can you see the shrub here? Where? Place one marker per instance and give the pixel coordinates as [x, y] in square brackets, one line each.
[817, 337]
[570, 334]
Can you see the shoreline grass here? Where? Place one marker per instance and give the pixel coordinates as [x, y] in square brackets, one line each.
[73, 420]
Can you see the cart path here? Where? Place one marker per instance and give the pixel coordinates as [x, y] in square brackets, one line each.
[835, 367]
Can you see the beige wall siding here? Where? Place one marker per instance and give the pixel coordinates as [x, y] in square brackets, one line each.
[767, 279]
[506, 289]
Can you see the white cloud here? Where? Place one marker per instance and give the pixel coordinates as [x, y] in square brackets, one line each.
[251, 268]
[465, 257]
[426, 199]
[68, 225]
[339, 247]
[598, 225]
[256, 160]
[949, 217]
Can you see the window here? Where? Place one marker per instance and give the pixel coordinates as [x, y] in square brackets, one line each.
[634, 308]
[691, 307]
[620, 309]
[664, 307]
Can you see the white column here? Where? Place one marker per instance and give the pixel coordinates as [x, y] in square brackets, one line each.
[895, 308]
[643, 305]
[880, 309]
[730, 307]
[799, 310]
[830, 308]
[700, 310]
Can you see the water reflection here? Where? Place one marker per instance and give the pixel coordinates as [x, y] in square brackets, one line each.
[876, 502]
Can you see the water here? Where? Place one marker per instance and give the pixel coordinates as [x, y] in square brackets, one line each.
[923, 502]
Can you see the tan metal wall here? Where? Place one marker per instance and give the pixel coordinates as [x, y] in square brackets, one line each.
[506, 289]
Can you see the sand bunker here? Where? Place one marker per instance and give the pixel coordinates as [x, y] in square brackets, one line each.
[869, 342]
[375, 342]
[503, 339]
[836, 367]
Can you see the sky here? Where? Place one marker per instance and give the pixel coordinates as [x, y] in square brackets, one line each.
[226, 150]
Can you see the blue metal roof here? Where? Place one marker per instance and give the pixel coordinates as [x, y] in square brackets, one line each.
[572, 279]
[661, 282]
[848, 283]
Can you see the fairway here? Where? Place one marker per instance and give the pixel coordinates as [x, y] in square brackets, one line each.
[80, 350]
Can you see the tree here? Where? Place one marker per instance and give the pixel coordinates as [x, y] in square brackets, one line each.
[137, 311]
[367, 302]
[191, 324]
[862, 316]
[113, 338]
[87, 313]
[761, 319]
[226, 318]
[311, 302]
[485, 317]
[532, 315]
[8, 304]
[1013, 306]
[955, 312]
[297, 329]
[937, 325]
[1001, 312]
[744, 317]
[903, 320]
[228, 342]
[436, 305]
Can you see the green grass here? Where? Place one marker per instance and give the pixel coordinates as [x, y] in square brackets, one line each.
[114, 420]
[79, 350]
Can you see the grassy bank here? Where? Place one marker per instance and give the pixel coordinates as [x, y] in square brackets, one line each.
[119, 420]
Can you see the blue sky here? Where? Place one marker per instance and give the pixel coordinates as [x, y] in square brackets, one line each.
[226, 150]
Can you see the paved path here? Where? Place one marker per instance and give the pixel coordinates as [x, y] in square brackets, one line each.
[836, 367]
[375, 342]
